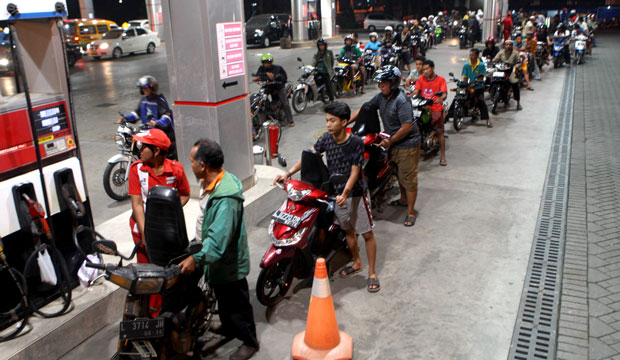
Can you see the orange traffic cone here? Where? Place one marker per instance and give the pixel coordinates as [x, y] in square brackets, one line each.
[322, 339]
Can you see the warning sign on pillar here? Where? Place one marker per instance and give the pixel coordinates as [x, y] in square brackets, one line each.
[230, 49]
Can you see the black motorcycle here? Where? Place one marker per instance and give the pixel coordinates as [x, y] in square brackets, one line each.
[369, 63]
[421, 107]
[464, 37]
[465, 104]
[265, 105]
[500, 85]
[178, 330]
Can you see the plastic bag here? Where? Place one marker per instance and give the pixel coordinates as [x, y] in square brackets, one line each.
[86, 274]
[46, 268]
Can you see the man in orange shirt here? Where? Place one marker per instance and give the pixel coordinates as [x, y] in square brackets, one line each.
[427, 86]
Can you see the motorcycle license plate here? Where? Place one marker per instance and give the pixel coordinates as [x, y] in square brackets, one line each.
[141, 329]
[498, 74]
[289, 220]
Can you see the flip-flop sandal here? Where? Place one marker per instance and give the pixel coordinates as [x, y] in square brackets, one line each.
[409, 221]
[530, 89]
[373, 285]
[489, 124]
[291, 124]
[397, 203]
[443, 162]
[348, 271]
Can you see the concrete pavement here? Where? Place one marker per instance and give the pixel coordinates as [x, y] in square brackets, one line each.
[451, 284]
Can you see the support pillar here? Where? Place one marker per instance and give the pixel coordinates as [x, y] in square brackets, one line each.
[87, 11]
[493, 10]
[328, 18]
[299, 13]
[154, 11]
[207, 69]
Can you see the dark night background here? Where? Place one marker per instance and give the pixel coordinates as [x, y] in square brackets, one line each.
[136, 9]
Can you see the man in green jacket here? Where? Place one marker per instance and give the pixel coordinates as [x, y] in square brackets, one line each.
[323, 60]
[225, 253]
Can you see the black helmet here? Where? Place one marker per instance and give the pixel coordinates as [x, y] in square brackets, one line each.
[321, 41]
[148, 81]
[388, 73]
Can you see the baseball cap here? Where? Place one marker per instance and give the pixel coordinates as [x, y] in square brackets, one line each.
[154, 137]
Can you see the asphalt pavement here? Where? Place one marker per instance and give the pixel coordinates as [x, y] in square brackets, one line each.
[451, 285]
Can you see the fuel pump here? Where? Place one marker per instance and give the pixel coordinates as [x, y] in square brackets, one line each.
[42, 187]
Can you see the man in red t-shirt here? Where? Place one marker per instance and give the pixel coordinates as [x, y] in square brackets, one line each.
[507, 23]
[427, 86]
[152, 169]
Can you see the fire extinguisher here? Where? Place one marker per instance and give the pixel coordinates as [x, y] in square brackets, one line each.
[274, 135]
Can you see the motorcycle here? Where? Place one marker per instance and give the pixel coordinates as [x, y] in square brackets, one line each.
[377, 168]
[264, 106]
[307, 89]
[369, 63]
[463, 37]
[580, 48]
[500, 86]
[559, 51]
[541, 53]
[177, 330]
[116, 174]
[421, 107]
[464, 102]
[341, 81]
[295, 230]
[439, 34]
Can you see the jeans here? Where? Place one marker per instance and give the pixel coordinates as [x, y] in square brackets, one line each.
[285, 105]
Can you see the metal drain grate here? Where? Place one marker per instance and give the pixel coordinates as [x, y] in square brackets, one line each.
[535, 331]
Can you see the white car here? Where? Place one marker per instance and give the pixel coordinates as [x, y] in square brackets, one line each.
[378, 22]
[144, 23]
[118, 42]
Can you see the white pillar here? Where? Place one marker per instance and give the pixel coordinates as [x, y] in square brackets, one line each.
[493, 11]
[86, 9]
[153, 9]
[328, 18]
[299, 10]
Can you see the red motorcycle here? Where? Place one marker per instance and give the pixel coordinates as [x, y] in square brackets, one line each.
[301, 230]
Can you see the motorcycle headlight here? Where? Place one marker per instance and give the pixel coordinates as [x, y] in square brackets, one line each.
[296, 195]
[461, 91]
[148, 285]
[259, 32]
[288, 241]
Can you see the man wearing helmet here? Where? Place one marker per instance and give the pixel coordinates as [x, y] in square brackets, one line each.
[490, 49]
[323, 61]
[269, 71]
[153, 111]
[374, 45]
[349, 51]
[404, 142]
[388, 36]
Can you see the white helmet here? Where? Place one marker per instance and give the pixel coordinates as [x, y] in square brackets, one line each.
[431, 17]
[440, 13]
[423, 19]
[373, 34]
[389, 28]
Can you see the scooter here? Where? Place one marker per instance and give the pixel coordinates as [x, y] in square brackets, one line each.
[295, 230]
[500, 87]
[307, 89]
[464, 104]
[342, 81]
[179, 329]
[560, 50]
[580, 48]
[421, 107]
[116, 174]
[265, 106]
[463, 37]
[369, 63]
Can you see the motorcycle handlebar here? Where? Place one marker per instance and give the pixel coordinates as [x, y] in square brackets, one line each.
[95, 266]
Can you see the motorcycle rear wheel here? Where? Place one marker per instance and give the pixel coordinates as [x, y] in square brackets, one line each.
[114, 182]
[271, 285]
[299, 100]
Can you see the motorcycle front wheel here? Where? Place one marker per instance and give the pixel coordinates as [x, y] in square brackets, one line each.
[337, 84]
[273, 282]
[299, 100]
[459, 118]
[114, 182]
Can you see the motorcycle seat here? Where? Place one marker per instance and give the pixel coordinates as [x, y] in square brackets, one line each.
[165, 233]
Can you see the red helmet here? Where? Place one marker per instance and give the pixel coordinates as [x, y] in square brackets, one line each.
[491, 39]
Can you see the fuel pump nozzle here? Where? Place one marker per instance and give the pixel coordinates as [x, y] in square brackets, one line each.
[37, 213]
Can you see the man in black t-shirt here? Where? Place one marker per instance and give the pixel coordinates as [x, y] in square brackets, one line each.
[345, 155]
[276, 75]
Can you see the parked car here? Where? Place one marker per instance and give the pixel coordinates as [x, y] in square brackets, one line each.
[117, 42]
[83, 31]
[263, 30]
[143, 23]
[378, 21]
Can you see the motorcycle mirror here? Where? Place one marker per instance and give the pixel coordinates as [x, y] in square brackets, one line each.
[299, 59]
[451, 74]
[105, 247]
[282, 161]
[338, 179]
[194, 247]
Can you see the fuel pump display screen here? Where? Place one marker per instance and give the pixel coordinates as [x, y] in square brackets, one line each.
[50, 120]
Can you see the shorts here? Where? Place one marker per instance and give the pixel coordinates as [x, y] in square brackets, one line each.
[355, 215]
[437, 121]
[406, 161]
